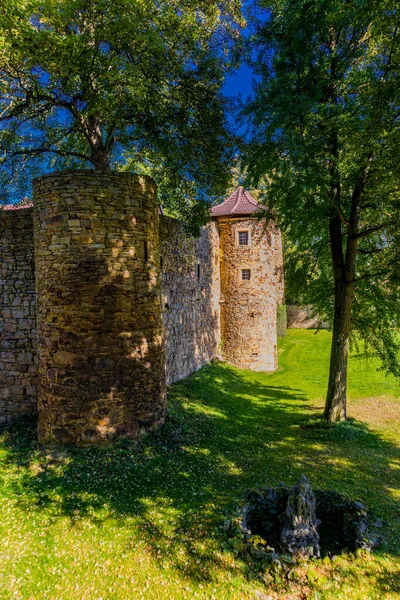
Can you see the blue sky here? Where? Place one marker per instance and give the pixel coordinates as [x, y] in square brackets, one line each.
[239, 83]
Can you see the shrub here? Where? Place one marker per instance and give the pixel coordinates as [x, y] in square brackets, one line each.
[281, 318]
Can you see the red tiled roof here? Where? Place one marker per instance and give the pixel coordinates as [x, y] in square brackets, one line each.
[238, 203]
[24, 203]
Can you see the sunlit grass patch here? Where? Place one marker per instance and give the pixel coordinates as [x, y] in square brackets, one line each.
[143, 521]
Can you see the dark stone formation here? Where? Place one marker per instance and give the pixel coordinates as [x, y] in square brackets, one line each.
[344, 523]
[303, 523]
[299, 534]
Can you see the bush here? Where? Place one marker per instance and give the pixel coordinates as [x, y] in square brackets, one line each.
[281, 319]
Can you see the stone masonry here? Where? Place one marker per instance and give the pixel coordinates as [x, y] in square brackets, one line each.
[190, 286]
[303, 317]
[18, 373]
[251, 282]
[248, 306]
[125, 302]
[100, 336]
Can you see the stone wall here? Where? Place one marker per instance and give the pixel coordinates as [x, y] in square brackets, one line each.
[113, 278]
[100, 338]
[248, 309]
[190, 298]
[303, 317]
[18, 370]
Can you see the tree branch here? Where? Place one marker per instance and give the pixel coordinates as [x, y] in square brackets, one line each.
[34, 151]
[369, 230]
[374, 251]
[369, 275]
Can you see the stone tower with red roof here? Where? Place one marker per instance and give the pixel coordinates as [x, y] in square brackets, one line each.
[251, 267]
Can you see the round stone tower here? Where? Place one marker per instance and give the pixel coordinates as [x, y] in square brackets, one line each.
[249, 284]
[100, 337]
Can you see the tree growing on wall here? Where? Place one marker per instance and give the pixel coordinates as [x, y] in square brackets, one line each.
[103, 83]
[325, 122]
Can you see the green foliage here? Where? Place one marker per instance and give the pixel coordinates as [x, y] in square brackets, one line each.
[180, 196]
[281, 320]
[132, 520]
[118, 82]
[325, 149]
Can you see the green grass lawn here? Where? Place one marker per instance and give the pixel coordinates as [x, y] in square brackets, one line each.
[143, 522]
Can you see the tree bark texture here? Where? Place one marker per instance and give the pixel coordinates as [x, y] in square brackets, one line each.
[344, 269]
[335, 407]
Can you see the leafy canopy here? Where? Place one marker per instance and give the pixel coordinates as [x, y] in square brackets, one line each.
[325, 142]
[108, 83]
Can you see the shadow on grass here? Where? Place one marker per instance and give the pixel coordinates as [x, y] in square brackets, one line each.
[227, 432]
[388, 581]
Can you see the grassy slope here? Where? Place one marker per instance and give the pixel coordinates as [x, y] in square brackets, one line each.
[133, 523]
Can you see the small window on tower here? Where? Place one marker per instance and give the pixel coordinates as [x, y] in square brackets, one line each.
[245, 274]
[243, 238]
[198, 270]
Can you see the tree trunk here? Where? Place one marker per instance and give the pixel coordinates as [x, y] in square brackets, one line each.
[335, 406]
[344, 268]
[100, 160]
[100, 149]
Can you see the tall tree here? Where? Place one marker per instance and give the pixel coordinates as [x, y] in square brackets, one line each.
[325, 125]
[104, 83]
